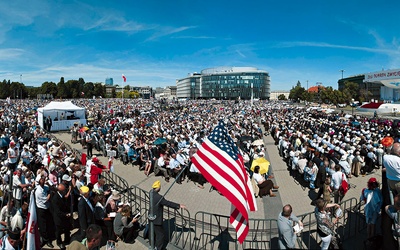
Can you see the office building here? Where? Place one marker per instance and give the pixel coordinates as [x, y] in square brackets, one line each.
[226, 83]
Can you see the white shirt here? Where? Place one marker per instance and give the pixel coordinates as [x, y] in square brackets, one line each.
[337, 179]
[173, 164]
[41, 194]
[259, 179]
[392, 165]
[161, 162]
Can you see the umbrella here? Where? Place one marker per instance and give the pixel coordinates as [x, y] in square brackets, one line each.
[262, 163]
[246, 138]
[387, 141]
[83, 129]
[4, 142]
[159, 141]
[258, 142]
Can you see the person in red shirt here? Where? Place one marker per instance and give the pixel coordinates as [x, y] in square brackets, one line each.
[96, 169]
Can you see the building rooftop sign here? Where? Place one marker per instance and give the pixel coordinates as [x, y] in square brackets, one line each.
[389, 78]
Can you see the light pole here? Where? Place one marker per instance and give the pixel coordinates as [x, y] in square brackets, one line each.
[342, 70]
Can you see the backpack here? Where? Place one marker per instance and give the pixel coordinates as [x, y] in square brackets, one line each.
[344, 187]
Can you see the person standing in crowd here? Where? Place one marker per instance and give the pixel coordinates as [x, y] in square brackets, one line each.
[286, 221]
[48, 123]
[85, 211]
[325, 226]
[337, 179]
[3, 216]
[158, 209]
[12, 156]
[372, 198]
[92, 240]
[19, 187]
[96, 169]
[42, 199]
[61, 216]
[391, 165]
[89, 143]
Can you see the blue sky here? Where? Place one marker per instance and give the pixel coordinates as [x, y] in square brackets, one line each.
[156, 42]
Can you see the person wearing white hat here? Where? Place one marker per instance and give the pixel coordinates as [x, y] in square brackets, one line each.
[26, 155]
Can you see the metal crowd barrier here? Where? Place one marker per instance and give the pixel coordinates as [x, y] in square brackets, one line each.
[213, 231]
[349, 225]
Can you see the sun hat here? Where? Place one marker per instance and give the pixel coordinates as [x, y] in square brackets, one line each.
[84, 190]
[156, 184]
[3, 169]
[66, 177]
[115, 195]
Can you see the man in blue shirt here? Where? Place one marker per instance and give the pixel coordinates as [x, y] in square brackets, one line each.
[286, 222]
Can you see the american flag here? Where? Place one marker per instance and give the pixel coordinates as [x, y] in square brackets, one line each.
[220, 162]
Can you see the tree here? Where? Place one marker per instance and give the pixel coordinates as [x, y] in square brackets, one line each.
[62, 91]
[351, 90]
[281, 97]
[296, 93]
[5, 89]
[298, 84]
[99, 90]
[49, 88]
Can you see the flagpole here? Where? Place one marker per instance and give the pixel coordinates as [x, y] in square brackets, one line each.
[176, 178]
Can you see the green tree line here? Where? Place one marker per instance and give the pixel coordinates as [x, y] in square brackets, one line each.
[62, 90]
[351, 91]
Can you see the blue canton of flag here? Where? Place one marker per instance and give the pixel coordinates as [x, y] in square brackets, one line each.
[221, 139]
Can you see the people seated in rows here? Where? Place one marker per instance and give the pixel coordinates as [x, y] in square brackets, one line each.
[175, 168]
[163, 162]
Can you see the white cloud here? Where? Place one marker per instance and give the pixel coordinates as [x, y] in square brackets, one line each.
[12, 53]
[387, 51]
[163, 31]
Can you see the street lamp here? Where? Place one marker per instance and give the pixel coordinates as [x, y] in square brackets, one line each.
[342, 70]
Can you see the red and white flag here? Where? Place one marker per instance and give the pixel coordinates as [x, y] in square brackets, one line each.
[220, 162]
[32, 232]
[124, 77]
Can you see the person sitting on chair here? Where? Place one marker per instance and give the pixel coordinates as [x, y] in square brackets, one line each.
[264, 185]
[162, 164]
[174, 168]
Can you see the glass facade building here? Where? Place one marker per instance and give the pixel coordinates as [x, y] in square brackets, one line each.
[109, 81]
[189, 87]
[226, 83]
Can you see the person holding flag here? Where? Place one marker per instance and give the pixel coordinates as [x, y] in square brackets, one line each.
[157, 205]
[221, 163]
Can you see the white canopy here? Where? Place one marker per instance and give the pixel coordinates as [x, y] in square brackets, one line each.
[61, 111]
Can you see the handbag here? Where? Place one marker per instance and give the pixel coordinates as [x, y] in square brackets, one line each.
[344, 187]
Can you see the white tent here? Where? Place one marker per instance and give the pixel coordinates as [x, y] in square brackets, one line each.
[63, 115]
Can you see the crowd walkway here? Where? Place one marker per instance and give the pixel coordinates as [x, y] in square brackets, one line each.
[196, 199]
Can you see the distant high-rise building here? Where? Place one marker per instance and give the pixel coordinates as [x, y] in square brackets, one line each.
[109, 81]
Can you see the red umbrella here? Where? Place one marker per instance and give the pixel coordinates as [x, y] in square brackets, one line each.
[387, 141]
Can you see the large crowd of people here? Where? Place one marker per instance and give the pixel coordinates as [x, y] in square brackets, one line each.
[160, 138]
